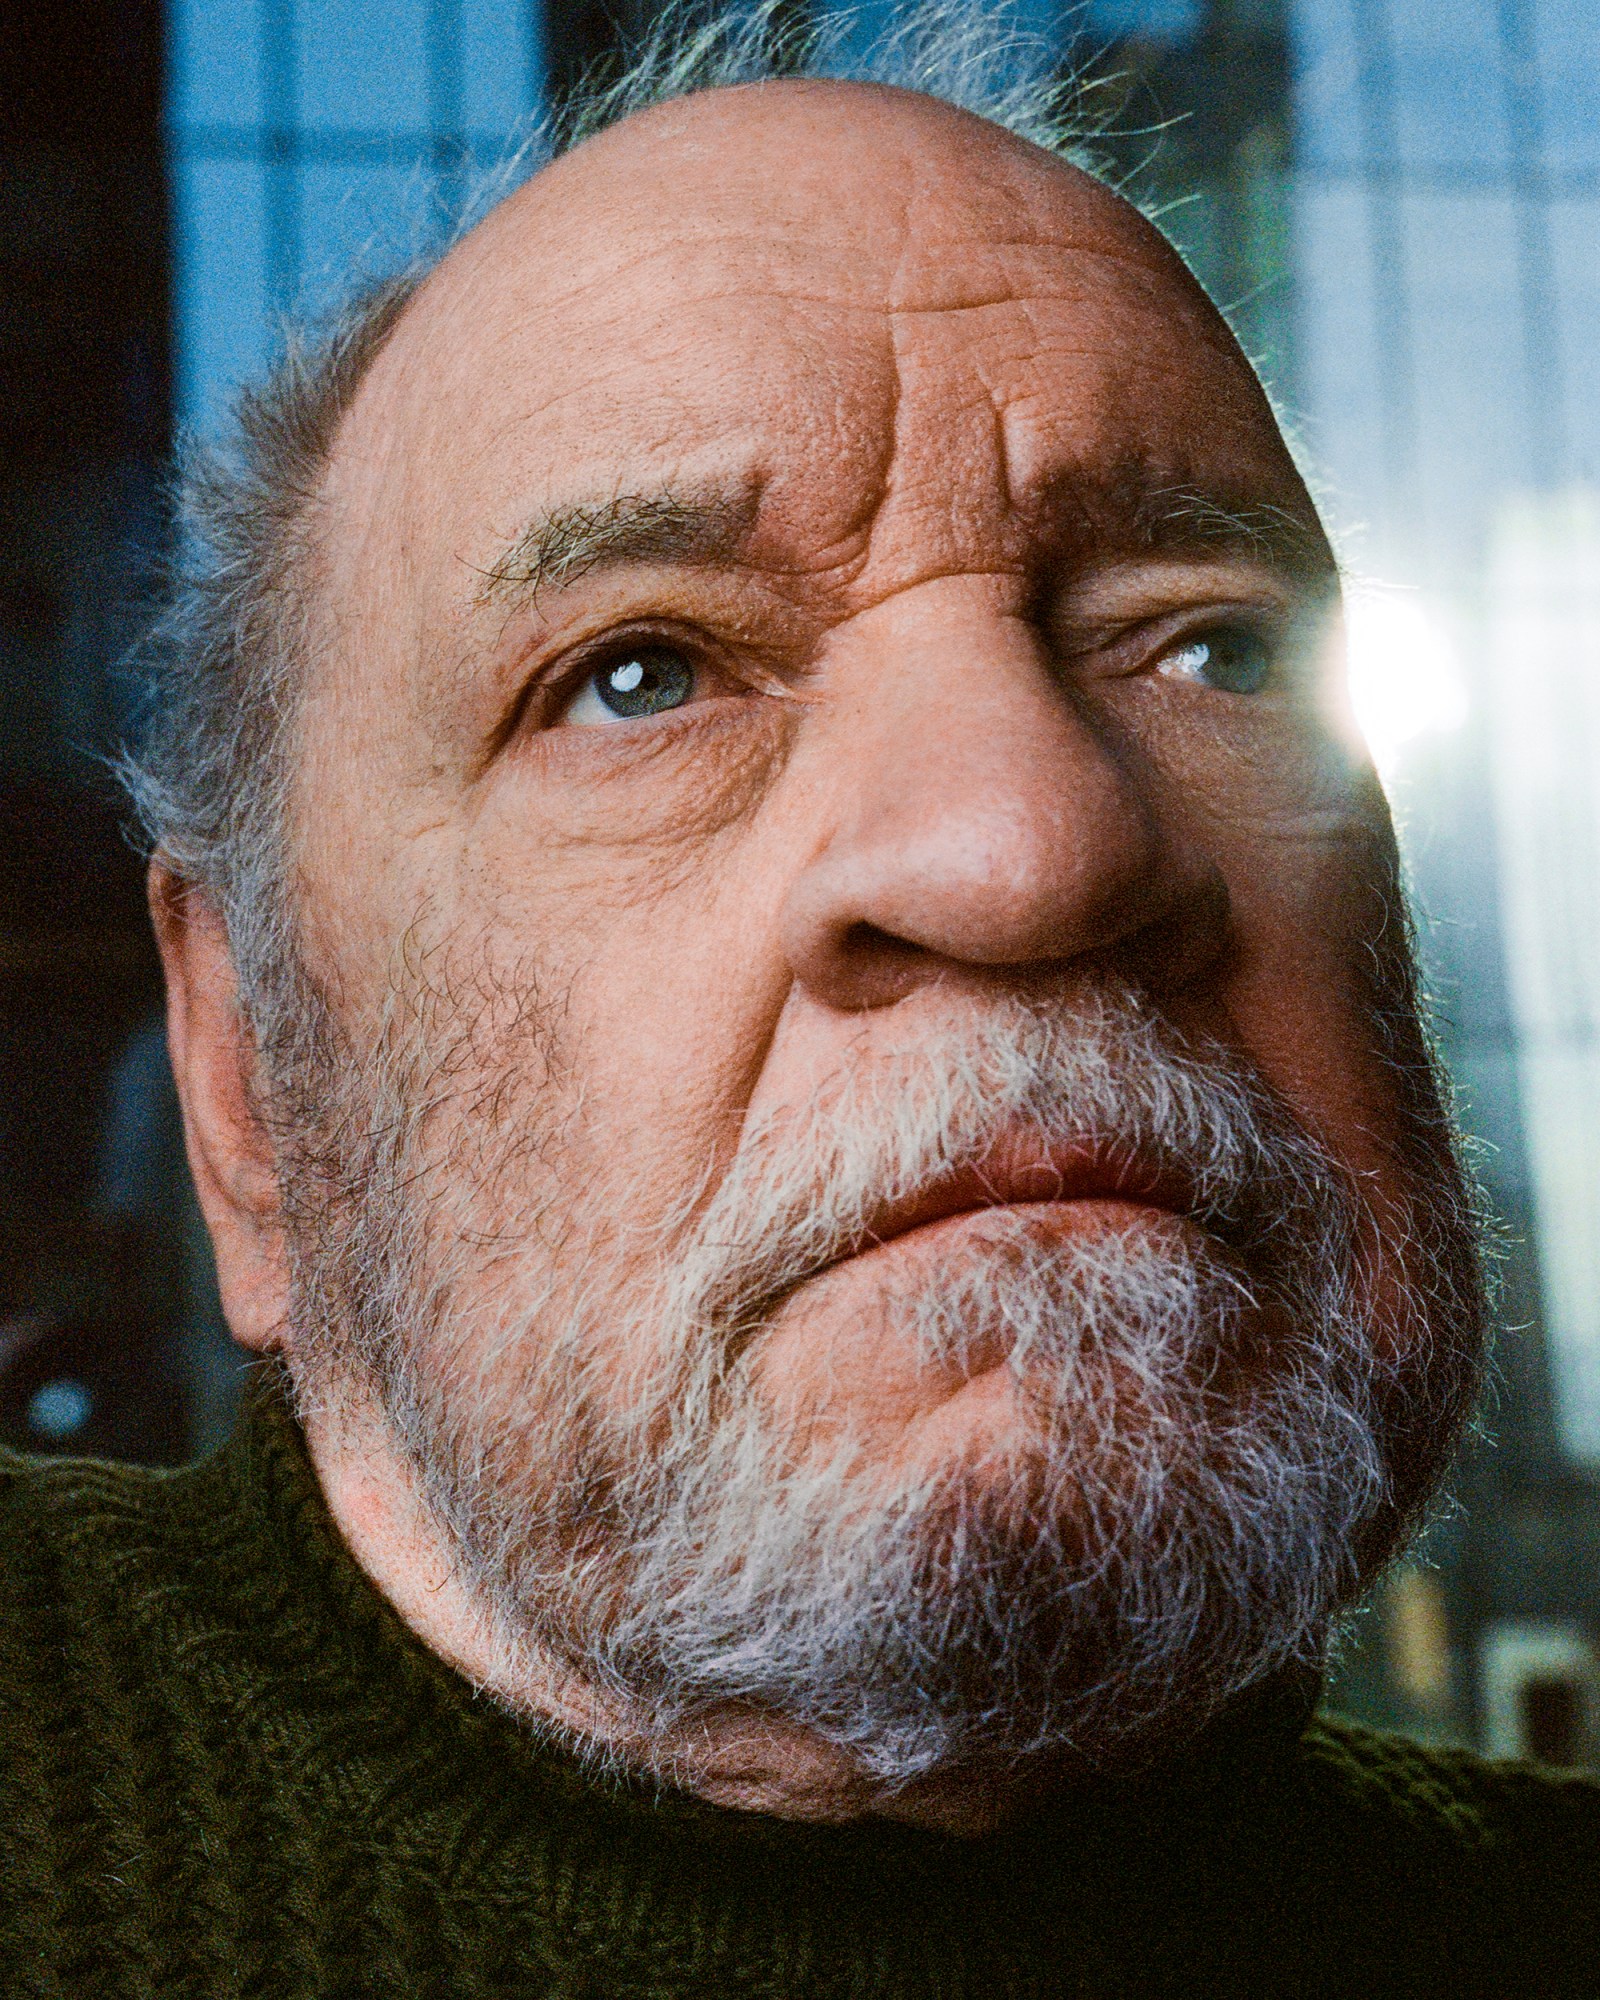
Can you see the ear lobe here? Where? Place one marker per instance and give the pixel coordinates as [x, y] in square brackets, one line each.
[230, 1152]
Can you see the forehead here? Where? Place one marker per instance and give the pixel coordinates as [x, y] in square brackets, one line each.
[905, 313]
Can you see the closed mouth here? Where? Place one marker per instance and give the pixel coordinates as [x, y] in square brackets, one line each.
[1021, 1170]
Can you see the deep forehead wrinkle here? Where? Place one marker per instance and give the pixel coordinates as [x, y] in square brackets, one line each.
[565, 543]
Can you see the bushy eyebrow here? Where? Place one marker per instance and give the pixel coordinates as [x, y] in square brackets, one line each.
[570, 542]
[1129, 513]
[1183, 521]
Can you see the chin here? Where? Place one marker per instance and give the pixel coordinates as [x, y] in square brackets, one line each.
[1056, 1501]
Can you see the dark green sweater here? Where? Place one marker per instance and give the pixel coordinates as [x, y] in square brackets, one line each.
[229, 1769]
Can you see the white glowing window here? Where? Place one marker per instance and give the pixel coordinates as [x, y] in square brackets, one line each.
[1544, 717]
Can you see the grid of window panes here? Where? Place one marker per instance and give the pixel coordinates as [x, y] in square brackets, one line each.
[310, 139]
[1448, 267]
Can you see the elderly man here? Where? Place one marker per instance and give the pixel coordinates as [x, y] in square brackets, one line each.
[795, 1031]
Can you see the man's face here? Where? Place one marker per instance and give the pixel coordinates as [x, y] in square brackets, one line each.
[825, 718]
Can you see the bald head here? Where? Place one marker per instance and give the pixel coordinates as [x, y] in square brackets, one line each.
[671, 277]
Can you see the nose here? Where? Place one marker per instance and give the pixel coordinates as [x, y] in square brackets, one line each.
[985, 819]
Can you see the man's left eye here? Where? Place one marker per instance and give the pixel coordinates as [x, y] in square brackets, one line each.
[1231, 658]
[648, 680]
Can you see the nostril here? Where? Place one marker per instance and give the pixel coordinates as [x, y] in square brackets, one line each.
[863, 941]
[873, 967]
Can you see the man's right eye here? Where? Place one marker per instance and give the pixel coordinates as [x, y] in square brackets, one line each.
[630, 686]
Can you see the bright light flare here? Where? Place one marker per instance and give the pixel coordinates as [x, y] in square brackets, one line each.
[1404, 679]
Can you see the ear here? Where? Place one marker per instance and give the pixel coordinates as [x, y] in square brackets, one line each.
[230, 1152]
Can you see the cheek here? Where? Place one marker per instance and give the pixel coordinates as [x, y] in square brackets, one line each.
[1316, 926]
[622, 904]
[1302, 836]
[661, 1009]
[1323, 947]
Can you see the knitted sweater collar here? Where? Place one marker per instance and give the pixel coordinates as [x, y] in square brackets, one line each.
[265, 1489]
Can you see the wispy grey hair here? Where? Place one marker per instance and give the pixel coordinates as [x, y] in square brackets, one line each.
[212, 772]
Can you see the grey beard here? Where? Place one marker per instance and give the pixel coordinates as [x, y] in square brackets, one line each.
[1214, 1458]
[1162, 1537]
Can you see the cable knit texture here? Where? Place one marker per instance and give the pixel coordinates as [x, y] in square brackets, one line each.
[230, 1770]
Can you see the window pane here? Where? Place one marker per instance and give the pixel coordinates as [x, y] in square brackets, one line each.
[1331, 61]
[220, 278]
[1567, 40]
[501, 64]
[362, 65]
[213, 62]
[1449, 84]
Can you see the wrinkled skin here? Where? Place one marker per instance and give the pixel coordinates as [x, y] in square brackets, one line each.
[944, 741]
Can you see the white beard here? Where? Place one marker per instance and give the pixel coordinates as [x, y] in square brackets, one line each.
[1209, 1464]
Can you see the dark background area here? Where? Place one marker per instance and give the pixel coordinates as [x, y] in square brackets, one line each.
[90, 1268]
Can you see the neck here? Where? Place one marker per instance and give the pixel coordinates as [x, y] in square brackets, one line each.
[741, 1757]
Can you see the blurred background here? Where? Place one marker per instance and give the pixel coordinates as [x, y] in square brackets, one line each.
[1398, 204]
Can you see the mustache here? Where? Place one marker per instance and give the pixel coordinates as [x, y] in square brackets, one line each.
[1107, 1090]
